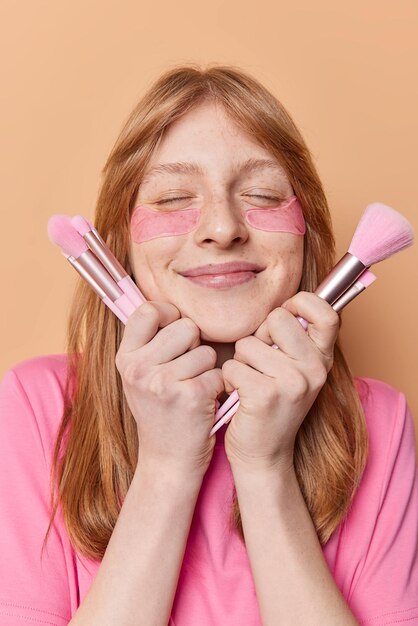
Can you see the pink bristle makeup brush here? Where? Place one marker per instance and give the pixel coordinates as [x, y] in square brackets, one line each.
[63, 234]
[380, 233]
[106, 256]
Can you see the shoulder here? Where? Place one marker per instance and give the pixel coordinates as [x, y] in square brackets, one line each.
[38, 370]
[378, 553]
[36, 585]
[32, 399]
[391, 435]
[39, 380]
[387, 414]
[377, 396]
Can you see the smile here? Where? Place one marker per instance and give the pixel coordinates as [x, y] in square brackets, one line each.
[222, 281]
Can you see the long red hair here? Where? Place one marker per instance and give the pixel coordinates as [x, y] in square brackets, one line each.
[96, 449]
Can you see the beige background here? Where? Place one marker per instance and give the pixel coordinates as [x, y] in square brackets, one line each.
[72, 71]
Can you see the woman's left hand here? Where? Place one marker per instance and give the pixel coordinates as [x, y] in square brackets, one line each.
[277, 387]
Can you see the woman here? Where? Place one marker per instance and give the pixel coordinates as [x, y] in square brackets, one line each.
[297, 511]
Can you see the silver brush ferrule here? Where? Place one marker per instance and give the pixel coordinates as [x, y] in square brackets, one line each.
[340, 278]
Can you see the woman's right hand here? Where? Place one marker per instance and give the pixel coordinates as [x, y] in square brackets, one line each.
[171, 386]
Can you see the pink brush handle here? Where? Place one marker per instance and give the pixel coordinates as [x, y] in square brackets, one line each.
[115, 309]
[125, 305]
[128, 286]
[304, 323]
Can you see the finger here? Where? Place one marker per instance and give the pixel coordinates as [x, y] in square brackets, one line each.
[243, 378]
[260, 356]
[172, 341]
[144, 323]
[323, 322]
[283, 329]
[192, 363]
[213, 381]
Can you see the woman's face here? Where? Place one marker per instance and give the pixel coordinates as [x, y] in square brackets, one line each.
[223, 191]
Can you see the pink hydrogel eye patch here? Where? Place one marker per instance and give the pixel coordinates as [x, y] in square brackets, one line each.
[286, 218]
[147, 224]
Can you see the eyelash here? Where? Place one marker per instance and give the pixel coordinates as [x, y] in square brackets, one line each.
[185, 198]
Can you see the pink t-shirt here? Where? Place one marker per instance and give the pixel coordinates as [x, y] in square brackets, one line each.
[372, 555]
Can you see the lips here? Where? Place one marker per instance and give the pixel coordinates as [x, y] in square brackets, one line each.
[212, 269]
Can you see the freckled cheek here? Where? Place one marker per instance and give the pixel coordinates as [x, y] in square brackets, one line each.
[295, 268]
[286, 253]
[147, 224]
[294, 257]
[149, 263]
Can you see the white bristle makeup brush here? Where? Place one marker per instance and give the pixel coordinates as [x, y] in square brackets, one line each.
[380, 233]
[106, 256]
[63, 234]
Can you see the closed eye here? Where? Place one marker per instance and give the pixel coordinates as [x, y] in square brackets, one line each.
[170, 200]
[166, 200]
[260, 196]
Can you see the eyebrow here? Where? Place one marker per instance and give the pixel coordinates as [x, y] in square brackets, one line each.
[183, 167]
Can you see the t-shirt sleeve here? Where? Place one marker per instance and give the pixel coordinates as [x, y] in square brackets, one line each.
[386, 591]
[33, 588]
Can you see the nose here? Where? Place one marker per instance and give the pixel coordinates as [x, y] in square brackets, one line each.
[221, 222]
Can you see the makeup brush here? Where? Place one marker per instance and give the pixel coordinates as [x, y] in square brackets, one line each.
[106, 256]
[380, 233]
[63, 234]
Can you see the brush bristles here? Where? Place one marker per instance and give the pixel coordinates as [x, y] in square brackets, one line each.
[380, 233]
[81, 224]
[63, 234]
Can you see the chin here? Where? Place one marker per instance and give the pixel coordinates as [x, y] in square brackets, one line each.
[225, 335]
[224, 324]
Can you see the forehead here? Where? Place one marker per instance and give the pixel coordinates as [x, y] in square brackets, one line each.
[208, 138]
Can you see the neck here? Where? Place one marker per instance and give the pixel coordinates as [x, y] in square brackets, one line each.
[225, 351]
